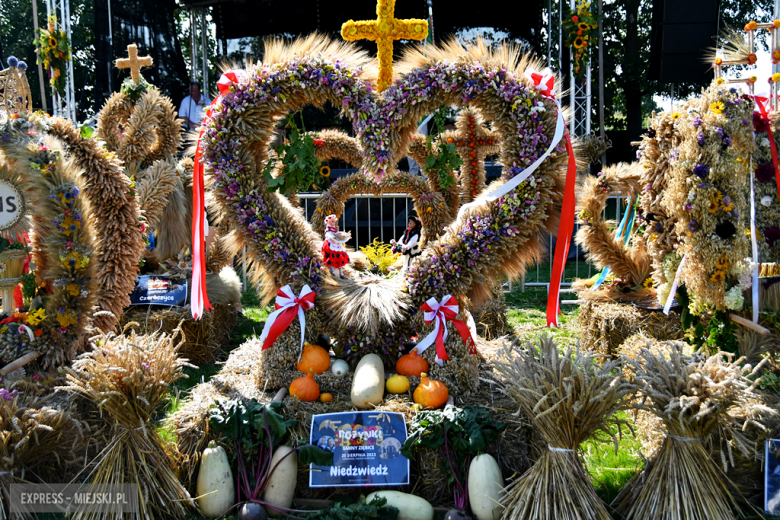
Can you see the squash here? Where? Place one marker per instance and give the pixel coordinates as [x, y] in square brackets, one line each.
[314, 357]
[410, 507]
[340, 368]
[486, 486]
[397, 384]
[412, 364]
[305, 388]
[326, 397]
[368, 382]
[281, 483]
[429, 393]
[215, 487]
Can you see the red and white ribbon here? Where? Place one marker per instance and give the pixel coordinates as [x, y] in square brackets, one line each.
[673, 290]
[199, 300]
[438, 314]
[544, 81]
[288, 306]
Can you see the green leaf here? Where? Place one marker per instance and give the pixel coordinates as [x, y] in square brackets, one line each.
[86, 131]
[308, 454]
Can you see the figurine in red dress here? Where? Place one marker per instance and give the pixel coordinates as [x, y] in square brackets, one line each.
[333, 253]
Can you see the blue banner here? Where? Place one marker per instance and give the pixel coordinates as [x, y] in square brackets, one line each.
[366, 449]
[159, 290]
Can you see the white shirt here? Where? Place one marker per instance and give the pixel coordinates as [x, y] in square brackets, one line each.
[194, 111]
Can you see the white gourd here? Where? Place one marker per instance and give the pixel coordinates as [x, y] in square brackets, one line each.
[339, 368]
[410, 507]
[215, 487]
[486, 485]
[281, 484]
[368, 382]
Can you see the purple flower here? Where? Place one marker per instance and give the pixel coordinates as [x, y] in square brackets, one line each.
[701, 171]
[693, 225]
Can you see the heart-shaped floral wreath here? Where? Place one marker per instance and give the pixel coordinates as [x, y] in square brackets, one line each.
[490, 239]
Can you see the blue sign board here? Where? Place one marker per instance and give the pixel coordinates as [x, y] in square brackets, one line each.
[366, 449]
[159, 290]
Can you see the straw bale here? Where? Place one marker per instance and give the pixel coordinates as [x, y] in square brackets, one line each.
[205, 340]
[605, 326]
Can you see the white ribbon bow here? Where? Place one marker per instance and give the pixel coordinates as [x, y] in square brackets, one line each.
[436, 313]
[285, 299]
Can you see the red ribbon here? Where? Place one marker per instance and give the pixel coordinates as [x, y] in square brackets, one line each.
[288, 306]
[441, 313]
[565, 230]
[765, 118]
[199, 299]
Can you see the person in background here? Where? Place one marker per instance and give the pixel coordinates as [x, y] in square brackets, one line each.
[193, 107]
[409, 244]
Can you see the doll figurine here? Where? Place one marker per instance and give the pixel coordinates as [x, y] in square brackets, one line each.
[409, 244]
[333, 253]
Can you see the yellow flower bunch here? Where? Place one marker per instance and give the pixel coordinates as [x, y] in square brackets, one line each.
[380, 255]
[717, 108]
[73, 289]
[718, 277]
[75, 259]
[36, 317]
[67, 318]
[722, 264]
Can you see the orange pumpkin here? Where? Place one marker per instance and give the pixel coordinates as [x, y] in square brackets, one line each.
[305, 388]
[326, 397]
[430, 394]
[412, 364]
[314, 357]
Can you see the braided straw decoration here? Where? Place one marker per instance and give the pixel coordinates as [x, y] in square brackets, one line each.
[631, 264]
[142, 133]
[338, 145]
[154, 185]
[117, 230]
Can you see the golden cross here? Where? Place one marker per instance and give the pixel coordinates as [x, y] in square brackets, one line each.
[383, 31]
[134, 63]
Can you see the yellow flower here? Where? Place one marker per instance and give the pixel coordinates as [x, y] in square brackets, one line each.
[35, 317]
[325, 171]
[720, 81]
[717, 108]
[714, 205]
[676, 115]
[718, 276]
[52, 42]
[729, 206]
[73, 289]
[649, 283]
[3, 330]
[579, 43]
[583, 26]
[722, 264]
[776, 77]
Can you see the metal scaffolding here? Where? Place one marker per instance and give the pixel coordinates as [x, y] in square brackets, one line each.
[199, 37]
[63, 105]
[579, 95]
